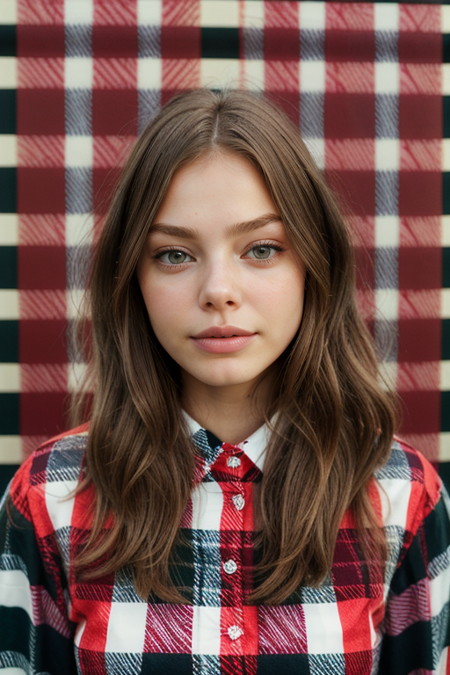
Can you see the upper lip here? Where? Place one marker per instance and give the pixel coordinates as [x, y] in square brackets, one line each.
[222, 331]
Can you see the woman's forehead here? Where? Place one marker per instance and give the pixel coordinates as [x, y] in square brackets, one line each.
[224, 189]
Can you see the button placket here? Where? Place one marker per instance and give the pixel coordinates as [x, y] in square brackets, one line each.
[232, 560]
[232, 554]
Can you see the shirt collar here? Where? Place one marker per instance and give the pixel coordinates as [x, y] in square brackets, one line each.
[254, 446]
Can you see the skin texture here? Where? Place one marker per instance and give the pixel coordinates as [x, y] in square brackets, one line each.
[221, 281]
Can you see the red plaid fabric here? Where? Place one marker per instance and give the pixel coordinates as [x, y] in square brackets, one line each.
[361, 620]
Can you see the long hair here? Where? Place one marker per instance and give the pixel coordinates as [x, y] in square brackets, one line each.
[334, 424]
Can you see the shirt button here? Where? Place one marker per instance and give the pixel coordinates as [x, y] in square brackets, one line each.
[234, 632]
[230, 566]
[238, 501]
[233, 462]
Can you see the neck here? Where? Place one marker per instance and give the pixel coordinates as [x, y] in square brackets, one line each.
[226, 411]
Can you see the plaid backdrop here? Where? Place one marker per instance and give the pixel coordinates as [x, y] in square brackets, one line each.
[366, 83]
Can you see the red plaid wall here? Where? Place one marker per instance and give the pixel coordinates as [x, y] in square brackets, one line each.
[367, 85]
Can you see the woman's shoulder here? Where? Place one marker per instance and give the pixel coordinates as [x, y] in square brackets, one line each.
[54, 469]
[410, 487]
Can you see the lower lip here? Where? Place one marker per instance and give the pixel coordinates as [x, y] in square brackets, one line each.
[223, 345]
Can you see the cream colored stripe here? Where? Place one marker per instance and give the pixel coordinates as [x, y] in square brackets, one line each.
[149, 73]
[223, 72]
[312, 15]
[444, 446]
[221, 13]
[9, 304]
[10, 450]
[445, 231]
[253, 74]
[9, 377]
[8, 150]
[9, 229]
[445, 303]
[446, 154]
[445, 19]
[8, 13]
[445, 376]
[8, 72]
[446, 79]
[78, 12]
[387, 304]
[254, 13]
[148, 11]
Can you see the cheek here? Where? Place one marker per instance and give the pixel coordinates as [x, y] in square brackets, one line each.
[282, 298]
[165, 305]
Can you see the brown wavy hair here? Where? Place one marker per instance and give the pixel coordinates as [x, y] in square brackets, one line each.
[335, 423]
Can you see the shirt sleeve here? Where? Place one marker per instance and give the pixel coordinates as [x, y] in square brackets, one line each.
[417, 627]
[36, 635]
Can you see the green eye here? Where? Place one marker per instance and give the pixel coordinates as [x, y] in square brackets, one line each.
[176, 256]
[173, 257]
[261, 252]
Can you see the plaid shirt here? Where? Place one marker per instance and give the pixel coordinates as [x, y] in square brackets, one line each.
[359, 621]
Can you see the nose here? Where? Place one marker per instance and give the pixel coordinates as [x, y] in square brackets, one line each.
[220, 287]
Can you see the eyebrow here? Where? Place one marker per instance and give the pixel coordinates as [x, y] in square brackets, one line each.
[232, 230]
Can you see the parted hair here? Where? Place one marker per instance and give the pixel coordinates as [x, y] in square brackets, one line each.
[334, 423]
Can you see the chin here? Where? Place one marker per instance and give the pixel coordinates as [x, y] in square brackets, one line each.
[223, 379]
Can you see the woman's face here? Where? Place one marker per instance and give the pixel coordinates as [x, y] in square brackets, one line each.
[217, 262]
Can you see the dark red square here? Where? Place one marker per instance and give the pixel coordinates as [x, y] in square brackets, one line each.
[289, 101]
[349, 115]
[104, 185]
[420, 193]
[420, 268]
[357, 190]
[180, 42]
[419, 340]
[40, 41]
[420, 116]
[349, 45]
[39, 467]
[114, 41]
[114, 111]
[419, 47]
[421, 412]
[90, 660]
[41, 267]
[281, 44]
[43, 341]
[168, 94]
[43, 413]
[40, 111]
[101, 588]
[41, 190]
[357, 663]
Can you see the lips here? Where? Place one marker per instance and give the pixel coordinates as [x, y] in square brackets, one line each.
[222, 332]
[234, 341]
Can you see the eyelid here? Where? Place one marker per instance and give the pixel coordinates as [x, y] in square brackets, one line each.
[266, 242]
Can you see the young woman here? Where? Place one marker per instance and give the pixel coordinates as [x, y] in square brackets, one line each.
[237, 503]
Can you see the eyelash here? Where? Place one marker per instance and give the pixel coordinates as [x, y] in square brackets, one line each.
[267, 244]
